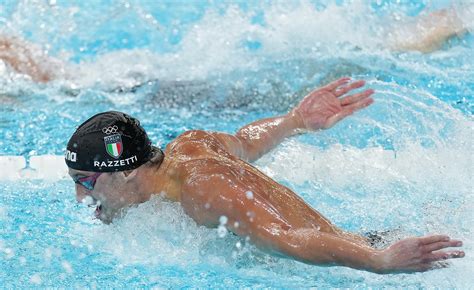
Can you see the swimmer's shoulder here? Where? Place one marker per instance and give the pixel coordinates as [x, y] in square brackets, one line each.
[195, 144]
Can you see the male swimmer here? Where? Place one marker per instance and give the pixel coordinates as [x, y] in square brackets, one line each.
[114, 164]
[425, 34]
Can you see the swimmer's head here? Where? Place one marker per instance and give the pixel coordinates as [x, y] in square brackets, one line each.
[104, 157]
[109, 142]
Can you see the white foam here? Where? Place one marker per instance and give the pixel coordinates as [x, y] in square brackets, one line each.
[11, 166]
[47, 167]
[217, 41]
[51, 167]
[344, 166]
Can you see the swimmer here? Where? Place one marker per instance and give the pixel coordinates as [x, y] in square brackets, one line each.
[425, 33]
[28, 59]
[115, 166]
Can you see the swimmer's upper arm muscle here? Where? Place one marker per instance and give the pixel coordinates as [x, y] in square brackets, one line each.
[200, 141]
[257, 138]
[232, 144]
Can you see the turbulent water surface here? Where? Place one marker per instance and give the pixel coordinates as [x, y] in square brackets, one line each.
[405, 164]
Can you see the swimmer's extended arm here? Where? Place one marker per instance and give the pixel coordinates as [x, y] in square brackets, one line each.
[429, 32]
[217, 197]
[25, 59]
[320, 109]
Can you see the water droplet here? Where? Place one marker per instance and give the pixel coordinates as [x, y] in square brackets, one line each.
[35, 279]
[87, 200]
[9, 253]
[3, 213]
[48, 253]
[221, 231]
[249, 194]
[67, 267]
[223, 220]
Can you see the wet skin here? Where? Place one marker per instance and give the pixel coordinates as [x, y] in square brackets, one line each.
[210, 175]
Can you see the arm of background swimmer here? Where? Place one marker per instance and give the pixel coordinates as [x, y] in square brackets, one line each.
[24, 58]
[320, 109]
[429, 32]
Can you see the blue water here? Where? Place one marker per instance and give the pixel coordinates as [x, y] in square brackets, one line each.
[403, 164]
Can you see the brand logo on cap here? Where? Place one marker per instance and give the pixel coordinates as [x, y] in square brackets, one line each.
[71, 156]
[113, 145]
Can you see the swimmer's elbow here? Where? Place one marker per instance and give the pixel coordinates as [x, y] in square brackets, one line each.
[248, 151]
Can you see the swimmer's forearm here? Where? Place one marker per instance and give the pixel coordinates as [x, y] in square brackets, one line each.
[22, 59]
[259, 137]
[320, 248]
[429, 32]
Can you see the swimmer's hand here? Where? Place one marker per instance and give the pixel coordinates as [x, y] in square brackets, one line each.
[320, 109]
[324, 107]
[418, 254]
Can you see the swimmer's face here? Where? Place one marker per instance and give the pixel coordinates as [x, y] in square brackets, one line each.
[111, 193]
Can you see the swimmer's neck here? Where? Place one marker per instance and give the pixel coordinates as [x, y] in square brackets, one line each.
[159, 181]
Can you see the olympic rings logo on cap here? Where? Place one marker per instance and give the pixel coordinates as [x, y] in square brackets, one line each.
[110, 130]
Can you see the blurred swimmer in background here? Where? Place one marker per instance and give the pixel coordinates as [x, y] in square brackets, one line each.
[425, 34]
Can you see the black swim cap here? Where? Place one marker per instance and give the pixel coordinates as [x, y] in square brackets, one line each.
[108, 142]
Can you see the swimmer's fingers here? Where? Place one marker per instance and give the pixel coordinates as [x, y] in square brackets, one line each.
[363, 102]
[434, 239]
[335, 84]
[348, 110]
[345, 89]
[441, 245]
[442, 255]
[431, 266]
[356, 97]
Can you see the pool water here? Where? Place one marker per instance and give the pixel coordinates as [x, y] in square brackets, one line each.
[405, 164]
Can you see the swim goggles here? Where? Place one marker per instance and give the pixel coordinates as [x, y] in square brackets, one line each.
[89, 181]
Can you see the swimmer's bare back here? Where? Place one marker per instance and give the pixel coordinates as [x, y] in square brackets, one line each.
[213, 179]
